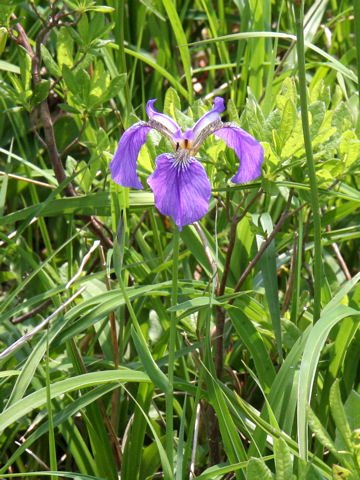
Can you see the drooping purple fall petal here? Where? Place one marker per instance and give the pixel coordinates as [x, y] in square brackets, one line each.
[249, 151]
[210, 117]
[161, 118]
[181, 190]
[123, 165]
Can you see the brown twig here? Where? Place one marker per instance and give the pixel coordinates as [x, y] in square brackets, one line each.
[32, 312]
[75, 141]
[290, 283]
[233, 227]
[338, 254]
[284, 216]
[340, 258]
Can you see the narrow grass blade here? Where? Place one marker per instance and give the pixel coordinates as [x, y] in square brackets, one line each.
[312, 351]
[38, 398]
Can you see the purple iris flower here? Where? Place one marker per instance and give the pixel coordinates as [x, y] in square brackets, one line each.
[179, 182]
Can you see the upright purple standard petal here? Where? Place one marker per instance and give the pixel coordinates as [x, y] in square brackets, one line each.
[161, 118]
[209, 117]
[181, 190]
[249, 151]
[123, 165]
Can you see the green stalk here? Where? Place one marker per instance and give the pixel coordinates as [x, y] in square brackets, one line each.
[317, 269]
[119, 18]
[52, 443]
[172, 348]
[357, 46]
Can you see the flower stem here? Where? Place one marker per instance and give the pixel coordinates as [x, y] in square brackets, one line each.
[299, 14]
[172, 347]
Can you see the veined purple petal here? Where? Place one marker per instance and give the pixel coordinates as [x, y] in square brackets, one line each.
[161, 118]
[123, 165]
[249, 151]
[181, 190]
[209, 117]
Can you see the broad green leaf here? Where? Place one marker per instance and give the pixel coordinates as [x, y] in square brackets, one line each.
[9, 67]
[252, 340]
[312, 351]
[3, 38]
[41, 92]
[49, 62]
[65, 48]
[70, 79]
[341, 473]
[257, 469]
[283, 461]
[172, 102]
[288, 121]
[339, 416]
[269, 271]
[25, 70]
[321, 434]
[114, 89]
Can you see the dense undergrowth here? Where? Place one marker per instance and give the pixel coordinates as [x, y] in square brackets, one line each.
[228, 350]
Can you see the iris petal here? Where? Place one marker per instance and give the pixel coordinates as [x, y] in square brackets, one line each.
[209, 117]
[123, 165]
[161, 118]
[181, 190]
[249, 151]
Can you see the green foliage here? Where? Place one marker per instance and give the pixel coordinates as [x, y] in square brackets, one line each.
[109, 366]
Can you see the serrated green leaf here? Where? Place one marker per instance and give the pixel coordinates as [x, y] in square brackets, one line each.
[288, 121]
[283, 462]
[41, 92]
[171, 102]
[350, 147]
[321, 434]
[25, 70]
[232, 111]
[339, 415]
[83, 29]
[70, 79]
[65, 48]
[257, 469]
[68, 108]
[3, 38]
[49, 62]
[83, 82]
[317, 111]
[341, 473]
[112, 90]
